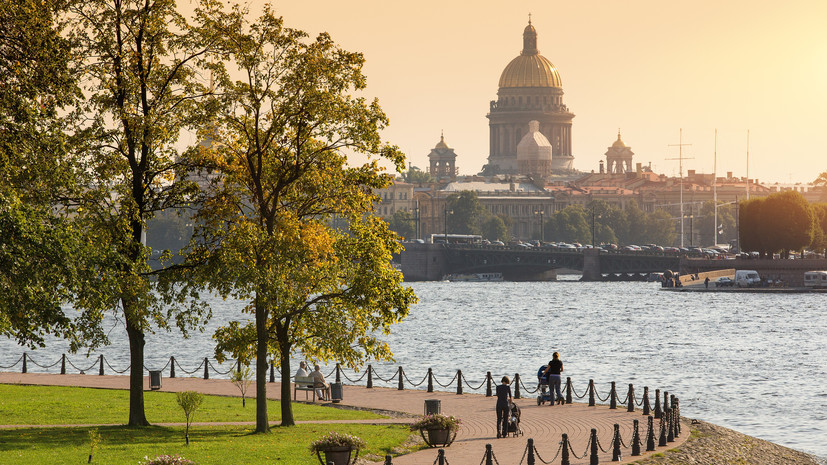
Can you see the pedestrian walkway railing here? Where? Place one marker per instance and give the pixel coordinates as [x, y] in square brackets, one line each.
[370, 376]
[669, 430]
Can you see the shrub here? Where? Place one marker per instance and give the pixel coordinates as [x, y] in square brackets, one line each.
[437, 421]
[334, 439]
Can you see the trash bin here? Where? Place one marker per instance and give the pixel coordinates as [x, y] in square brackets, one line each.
[433, 406]
[336, 392]
[154, 380]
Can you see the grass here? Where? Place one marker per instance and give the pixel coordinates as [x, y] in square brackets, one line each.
[48, 405]
[208, 445]
[53, 405]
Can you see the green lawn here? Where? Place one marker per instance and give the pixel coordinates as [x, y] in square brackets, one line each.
[208, 445]
[52, 405]
[46, 405]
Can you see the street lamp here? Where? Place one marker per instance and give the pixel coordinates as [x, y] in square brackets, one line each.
[416, 218]
[593, 217]
[542, 230]
[445, 224]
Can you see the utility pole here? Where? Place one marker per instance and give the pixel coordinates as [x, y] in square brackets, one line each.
[680, 159]
[715, 190]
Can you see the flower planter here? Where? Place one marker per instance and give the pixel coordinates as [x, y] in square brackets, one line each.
[338, 455]
[441, 437]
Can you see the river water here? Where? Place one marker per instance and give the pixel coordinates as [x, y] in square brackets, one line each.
[751, 362]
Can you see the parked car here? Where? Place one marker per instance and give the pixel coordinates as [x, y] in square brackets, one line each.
[724, 281]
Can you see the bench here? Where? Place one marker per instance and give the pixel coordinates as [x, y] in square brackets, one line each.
[306, 384]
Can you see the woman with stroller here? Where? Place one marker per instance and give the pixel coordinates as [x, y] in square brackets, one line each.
[503, 399]
[555, 367]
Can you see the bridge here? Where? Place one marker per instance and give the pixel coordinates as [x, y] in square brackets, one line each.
[431, 262]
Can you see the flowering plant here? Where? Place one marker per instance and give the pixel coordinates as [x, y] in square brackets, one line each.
[166, 460]
[437, 421]
[334, 439]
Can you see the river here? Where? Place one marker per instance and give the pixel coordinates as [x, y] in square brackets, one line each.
[751, 362]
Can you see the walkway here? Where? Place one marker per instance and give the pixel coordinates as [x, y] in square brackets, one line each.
[545, 424]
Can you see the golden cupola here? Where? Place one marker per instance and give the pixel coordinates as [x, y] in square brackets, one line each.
[530, 69]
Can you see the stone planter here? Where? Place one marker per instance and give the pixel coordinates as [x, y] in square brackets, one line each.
[438, 437]
[338, 455]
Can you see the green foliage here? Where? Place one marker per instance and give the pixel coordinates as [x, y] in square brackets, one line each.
[242, 379]
[466, 214]
[436, 421]
[819, 241]
[495, 229]
[781, 222]
[166, 460]
[336, 439]
[403, 224]
[282, 136]
[416, 176]
[94, 441]
[189, 401]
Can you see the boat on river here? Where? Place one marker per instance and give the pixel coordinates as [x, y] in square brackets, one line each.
[474, 277]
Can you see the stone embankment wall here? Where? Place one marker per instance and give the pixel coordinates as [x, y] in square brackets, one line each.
[715, 445]
[790, 271]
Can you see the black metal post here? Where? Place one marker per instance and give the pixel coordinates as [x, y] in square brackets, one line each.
[591, 393]
[63, 364]
[650, 435]
[238, 365]
[616, 444]
[172, 366]
[658, 411]
[370, 377]
[440, 457]
[568, 390]
[272, 371]
[636, 439]
[430, 380]
[516, 385]
[646, 408]
[100, 360]
[676, 406]
[489, 455]
[338, 373]
[25, 367]
[662, 440]
[206, 368]
[665, 401]
[400, 386]
[564, 453]
[670, 425]
[530, 447]
[459, 382]
[593, 457]
[488, 389]
[630, 399]
[388, 460]
[613, 397]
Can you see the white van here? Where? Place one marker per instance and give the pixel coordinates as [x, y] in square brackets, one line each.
[815, 279]
[747, 278]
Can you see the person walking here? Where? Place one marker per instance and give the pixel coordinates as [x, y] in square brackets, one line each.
[503, 399]
[555, 367]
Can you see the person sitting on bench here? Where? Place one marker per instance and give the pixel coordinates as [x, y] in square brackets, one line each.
[322, 388]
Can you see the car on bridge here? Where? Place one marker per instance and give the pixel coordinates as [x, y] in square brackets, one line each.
[724, 281]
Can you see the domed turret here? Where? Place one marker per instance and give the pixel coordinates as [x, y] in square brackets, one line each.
[530, 69]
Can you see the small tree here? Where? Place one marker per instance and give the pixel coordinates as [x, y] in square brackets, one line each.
[94, 440]
[242, 378]
[189, 401]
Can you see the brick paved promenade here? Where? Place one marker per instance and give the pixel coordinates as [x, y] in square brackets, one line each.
[545, 424]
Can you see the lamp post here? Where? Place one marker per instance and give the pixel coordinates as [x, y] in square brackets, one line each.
[690, 216]
[593, 218]
[416, 218]
[542, 230]
[445, 224]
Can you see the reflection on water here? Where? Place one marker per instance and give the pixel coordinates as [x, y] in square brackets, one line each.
[751, 362]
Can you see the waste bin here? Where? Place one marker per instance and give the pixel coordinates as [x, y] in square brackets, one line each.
[433, 406]
[336, 392]
[154, 380]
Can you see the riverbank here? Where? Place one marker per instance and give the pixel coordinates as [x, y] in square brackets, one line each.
[710, 444]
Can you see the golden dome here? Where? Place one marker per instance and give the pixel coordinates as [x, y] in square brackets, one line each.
[618, 144]
[530, 69]
[441, 144]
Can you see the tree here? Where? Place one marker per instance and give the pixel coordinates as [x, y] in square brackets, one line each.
[752, 228]
[467, 213]
[189, 401]
[569, 225]
[416, 176]
[403, 223]
[139, 63]
[819, 242]
[242, 378]
[790, 222]
[283, 134]
[495, 229]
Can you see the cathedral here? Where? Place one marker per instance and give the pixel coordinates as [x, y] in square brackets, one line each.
[530, 91]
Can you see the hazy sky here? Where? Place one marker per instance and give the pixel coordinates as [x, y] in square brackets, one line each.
[647, 67]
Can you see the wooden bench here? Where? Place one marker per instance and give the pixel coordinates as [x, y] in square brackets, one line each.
[306, 384]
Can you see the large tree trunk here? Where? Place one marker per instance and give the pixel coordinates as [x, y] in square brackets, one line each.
[137, 415]
[286, 401]
[262, 423]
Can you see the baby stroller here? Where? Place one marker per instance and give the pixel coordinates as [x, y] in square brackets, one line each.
[514, 420]
[544, 395]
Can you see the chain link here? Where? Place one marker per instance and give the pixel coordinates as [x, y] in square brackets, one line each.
[600, 446]
[527, 390]
[383, 379]
[354, 380]
[559, 449]
[472, 387]
[78, 369]
[574, 391]
[218, 371]
[116, 371]
[13, 364]
[449, 382]
[598, 395]
[580, 457]
[411, 382]
[41, 366]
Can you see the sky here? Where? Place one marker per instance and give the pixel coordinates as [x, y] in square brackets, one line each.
[660, 72]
